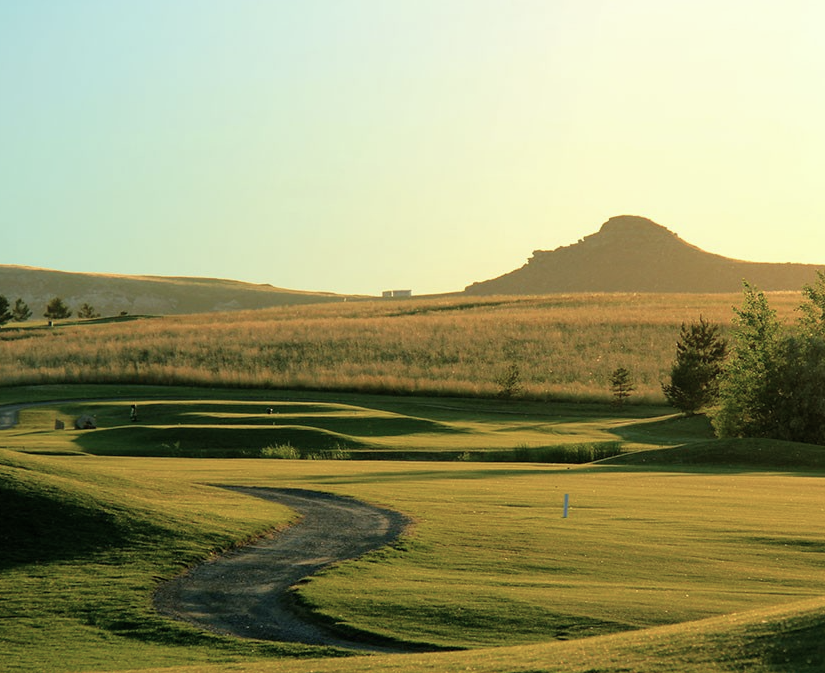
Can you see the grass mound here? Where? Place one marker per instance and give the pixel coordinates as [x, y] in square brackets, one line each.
[81, 554]
[212, 441]
[752, 453]
[43, 523]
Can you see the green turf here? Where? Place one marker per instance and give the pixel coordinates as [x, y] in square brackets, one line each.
[226, 423]
[80, 554]
[730, 454]
[702, 557]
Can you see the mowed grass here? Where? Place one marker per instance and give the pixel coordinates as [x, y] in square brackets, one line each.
[245, 424]
[654, 569]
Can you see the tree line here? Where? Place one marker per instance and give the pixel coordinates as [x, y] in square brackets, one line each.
[56, 309]
[767, 380]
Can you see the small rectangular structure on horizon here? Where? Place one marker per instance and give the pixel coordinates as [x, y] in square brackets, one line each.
[395, 294]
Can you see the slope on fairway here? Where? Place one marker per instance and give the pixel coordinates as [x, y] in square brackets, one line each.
[366, 427]
[734, 454]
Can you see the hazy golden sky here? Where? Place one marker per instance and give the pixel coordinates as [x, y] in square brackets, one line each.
[362, 145]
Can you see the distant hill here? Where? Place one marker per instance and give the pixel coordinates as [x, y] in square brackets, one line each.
[138, 295]
[634, 254]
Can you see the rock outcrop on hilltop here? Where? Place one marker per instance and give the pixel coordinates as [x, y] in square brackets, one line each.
[634, 254]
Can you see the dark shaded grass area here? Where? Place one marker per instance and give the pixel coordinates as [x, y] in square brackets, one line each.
[566, 453]
[40, 524]
[210, 442]
[730, 454]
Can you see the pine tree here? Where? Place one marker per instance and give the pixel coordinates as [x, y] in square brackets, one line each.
[57, 310]
[5, 313]
[621, 385]
[87, 311]
[21, 312]
[695, 374]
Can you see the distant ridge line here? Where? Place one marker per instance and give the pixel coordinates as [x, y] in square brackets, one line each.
[113, 294]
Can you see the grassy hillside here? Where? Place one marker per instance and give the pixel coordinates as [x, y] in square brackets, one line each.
[565, 346]
[112, 294]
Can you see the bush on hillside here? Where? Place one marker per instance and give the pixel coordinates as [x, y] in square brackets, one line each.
[773, 385]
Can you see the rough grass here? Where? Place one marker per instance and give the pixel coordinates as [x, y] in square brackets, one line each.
[565, 346]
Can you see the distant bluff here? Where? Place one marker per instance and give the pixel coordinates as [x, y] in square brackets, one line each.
[634, 254]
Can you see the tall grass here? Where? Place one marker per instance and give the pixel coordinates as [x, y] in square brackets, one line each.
[566, 346]
[567, 453]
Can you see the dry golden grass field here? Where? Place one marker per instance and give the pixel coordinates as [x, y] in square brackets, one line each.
[564, 346]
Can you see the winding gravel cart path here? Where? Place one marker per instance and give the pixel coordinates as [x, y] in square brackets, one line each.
[245, 592]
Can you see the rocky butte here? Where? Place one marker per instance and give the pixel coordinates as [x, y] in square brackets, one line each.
[634, 254]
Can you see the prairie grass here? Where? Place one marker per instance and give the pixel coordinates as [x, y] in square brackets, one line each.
[565, 346]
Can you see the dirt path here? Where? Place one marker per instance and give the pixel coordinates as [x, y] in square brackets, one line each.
[245, 592]
[8, 416]
[10, 412]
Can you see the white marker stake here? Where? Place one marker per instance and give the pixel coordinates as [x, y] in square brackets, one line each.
[566, 503]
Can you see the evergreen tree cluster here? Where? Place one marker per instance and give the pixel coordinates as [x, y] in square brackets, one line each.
[18, 313]
[769, 381]
[56, 309]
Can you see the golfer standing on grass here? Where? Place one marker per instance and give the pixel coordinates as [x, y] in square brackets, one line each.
[133, 413]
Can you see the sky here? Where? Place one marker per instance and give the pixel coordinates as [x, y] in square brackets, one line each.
[356, 146]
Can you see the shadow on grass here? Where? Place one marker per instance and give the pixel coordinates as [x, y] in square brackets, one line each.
[576, 454]
[792, 644]
[726, 455]
[674, 429]
[426, 474]
[360, 426]
[42, 525]
[209, 442]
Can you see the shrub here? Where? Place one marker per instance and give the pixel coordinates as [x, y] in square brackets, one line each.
[87, 312]
[562, 453]
[509, 383]
[281, 451]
